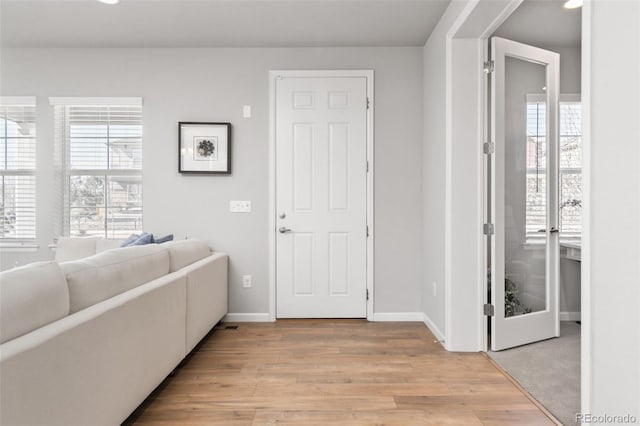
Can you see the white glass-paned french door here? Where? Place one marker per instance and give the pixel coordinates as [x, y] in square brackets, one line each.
[524, 205]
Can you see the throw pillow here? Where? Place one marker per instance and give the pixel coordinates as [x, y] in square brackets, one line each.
[130, 240]
[163, 239]
[145, 238]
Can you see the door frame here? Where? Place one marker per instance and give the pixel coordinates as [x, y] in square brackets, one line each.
[271, 210]
[477, 22]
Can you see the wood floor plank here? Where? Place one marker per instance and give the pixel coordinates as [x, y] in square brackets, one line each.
[323, 372]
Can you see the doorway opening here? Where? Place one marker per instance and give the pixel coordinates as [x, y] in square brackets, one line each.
[535, 203]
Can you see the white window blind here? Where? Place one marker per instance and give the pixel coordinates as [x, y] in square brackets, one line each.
[570, 173]
[17, 169]
[100, 152]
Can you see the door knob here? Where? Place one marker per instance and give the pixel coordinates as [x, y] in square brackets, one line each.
[283, 230]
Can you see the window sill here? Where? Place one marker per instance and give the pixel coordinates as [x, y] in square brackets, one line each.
[542, 243]
[19, 247]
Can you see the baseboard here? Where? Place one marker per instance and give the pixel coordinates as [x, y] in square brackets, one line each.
[397, 316]
[242, 317]
[433, 328]
[570, 316]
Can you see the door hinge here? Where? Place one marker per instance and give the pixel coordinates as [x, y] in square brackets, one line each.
[489, 67]
[488, 229]
[368, 103]
[367, 167]
[489, 148]
[367, 231]
[367, 294]
[488, 310]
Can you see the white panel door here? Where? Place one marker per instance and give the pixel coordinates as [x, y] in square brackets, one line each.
[321, 197]
[525, 246]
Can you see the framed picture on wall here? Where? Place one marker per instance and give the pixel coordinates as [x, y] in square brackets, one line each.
[204, 147]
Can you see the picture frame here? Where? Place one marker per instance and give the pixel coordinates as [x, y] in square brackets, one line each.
[204, 147]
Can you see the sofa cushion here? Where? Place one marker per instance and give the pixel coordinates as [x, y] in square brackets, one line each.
[31, 297]
[68, 249]
[185, 252]
[112, 272]
[103, 244]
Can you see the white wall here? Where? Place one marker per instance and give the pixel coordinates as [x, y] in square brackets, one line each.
[213, 85]
[611, 268]
[466, 269]
[434, 170]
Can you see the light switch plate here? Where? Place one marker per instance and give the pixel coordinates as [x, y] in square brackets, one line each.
[246, 281]
[238, 206]
[246, 111]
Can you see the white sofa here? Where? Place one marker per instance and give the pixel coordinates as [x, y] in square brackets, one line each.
[85, 342]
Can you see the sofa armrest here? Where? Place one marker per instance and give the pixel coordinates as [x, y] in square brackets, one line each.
[207, 294]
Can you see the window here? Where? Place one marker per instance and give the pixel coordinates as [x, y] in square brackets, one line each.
[100, 147]
[570, 170]
[570, 173]
[17, 170]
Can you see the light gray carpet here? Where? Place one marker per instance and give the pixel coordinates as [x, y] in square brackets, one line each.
[549, 371]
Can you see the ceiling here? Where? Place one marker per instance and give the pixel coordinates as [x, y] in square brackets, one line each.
[218, 23]
[543, 23]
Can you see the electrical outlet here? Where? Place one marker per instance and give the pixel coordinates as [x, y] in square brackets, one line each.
[246, 281]
[236, 206]
[435, 289]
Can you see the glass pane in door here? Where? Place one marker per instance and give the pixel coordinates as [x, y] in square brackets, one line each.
[526, 189]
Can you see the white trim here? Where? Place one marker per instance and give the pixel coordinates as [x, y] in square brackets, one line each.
[370, 194]
[570, 316]
[439, 335]
[585, 277]
[483, 114]
[18, 100]
[95, 101]
[398, 316]
[481, 264]
[242, 317]
[273, 74]
[500, 19]
[271, 210]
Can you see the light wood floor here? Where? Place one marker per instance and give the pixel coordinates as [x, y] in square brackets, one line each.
[334, 372]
